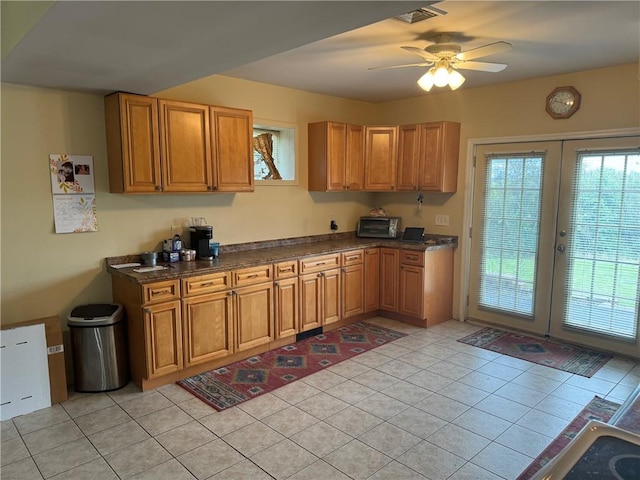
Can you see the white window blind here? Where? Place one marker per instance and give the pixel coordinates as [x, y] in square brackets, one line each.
[509, 243]
[604, 256]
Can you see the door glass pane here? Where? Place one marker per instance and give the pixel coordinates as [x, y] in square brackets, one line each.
[604, 258]
[509, 244]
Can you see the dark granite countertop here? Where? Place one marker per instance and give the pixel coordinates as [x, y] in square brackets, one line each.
[255, 254]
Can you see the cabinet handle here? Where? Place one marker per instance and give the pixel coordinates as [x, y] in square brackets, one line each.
[208, 284]
[393, 187]
[284, 270]
[344, 270]
[230, 293]
[320, 263]
[276, 284]
[215, 187]
[252, 276]
[321, 274]
[158, 188]
[147, 310]
[161, 292]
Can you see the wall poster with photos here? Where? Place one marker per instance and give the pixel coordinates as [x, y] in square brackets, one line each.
[73, 189]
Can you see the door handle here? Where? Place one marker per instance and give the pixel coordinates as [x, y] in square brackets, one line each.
[560, 248]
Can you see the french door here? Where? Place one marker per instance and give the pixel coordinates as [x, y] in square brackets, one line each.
[556, 240]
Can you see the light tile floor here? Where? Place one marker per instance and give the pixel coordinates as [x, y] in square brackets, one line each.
[424, 406]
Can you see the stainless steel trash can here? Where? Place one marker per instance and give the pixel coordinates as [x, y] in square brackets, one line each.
[98, 340]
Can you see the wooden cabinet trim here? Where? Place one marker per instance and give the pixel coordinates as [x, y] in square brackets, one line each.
[319, 263]
[158, 292]
[353, 257]
[285, 269]
[411, 257]
[202, 284]
[252, 275]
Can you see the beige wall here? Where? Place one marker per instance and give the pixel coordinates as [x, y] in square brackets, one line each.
[44, 273]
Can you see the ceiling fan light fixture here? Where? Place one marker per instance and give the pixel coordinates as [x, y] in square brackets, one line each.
[426, 81]
[455, 79]
[441, 74]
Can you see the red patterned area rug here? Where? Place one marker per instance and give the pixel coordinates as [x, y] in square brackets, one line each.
[240, 381]
[568, 358]
[597, 409]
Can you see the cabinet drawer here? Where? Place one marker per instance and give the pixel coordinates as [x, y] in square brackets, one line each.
[352, 258]
[317, 264]
[285, 269]
[161, 292]
[410, 257]
[213, 282]
[252, 275]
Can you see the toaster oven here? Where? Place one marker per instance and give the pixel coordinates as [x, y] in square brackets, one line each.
[378, 227]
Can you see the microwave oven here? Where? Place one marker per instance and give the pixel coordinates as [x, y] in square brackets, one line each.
[378, 227]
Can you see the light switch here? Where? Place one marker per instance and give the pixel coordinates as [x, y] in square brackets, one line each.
[442, 220]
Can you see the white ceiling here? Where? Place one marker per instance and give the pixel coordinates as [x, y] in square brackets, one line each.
[145, 47]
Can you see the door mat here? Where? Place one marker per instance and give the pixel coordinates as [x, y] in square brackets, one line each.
[597, 409]
[568, 358]
[246, 379]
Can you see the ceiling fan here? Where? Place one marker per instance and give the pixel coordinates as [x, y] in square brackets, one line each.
[445, 57]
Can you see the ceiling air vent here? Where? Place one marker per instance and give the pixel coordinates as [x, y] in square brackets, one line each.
[421, 14]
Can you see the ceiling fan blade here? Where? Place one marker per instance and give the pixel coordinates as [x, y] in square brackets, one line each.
[419, 51]
[484, 51]
[427, 64]
[481, 66]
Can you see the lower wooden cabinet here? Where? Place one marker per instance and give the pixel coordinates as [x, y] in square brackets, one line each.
[353, 283]
[320, 295]
[207, 327]
[411, 291]
[253, 315]
[331, 296]
[371, 279]
[311, 301]
[197, 321]
[285, 299]
[389, 266]
[163, 339]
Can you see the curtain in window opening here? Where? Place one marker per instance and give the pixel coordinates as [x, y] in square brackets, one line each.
[263, 144]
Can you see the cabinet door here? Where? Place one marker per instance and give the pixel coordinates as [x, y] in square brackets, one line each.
[354, 163]
[336, 156]
[232, 142]
[352, 290]
[207, 328]
[381, 155]
[286, 306]
[371, 279]
[163, 338]
[331, 294]
[310, 301]
[439, 149]
[389, 266]
[133, 143]
[254, 316]
[186, 147]
[408, 157]
[412, 291]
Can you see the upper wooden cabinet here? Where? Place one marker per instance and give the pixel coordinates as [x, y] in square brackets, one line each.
[428, 156]
[381, 158]
[336, 156]
[157, 145]
[186, 147]
[231, 134]
[133, 143]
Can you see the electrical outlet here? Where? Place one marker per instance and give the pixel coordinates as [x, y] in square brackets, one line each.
[442, 220]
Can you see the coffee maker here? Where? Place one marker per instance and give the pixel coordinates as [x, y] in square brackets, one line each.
[202, 241]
